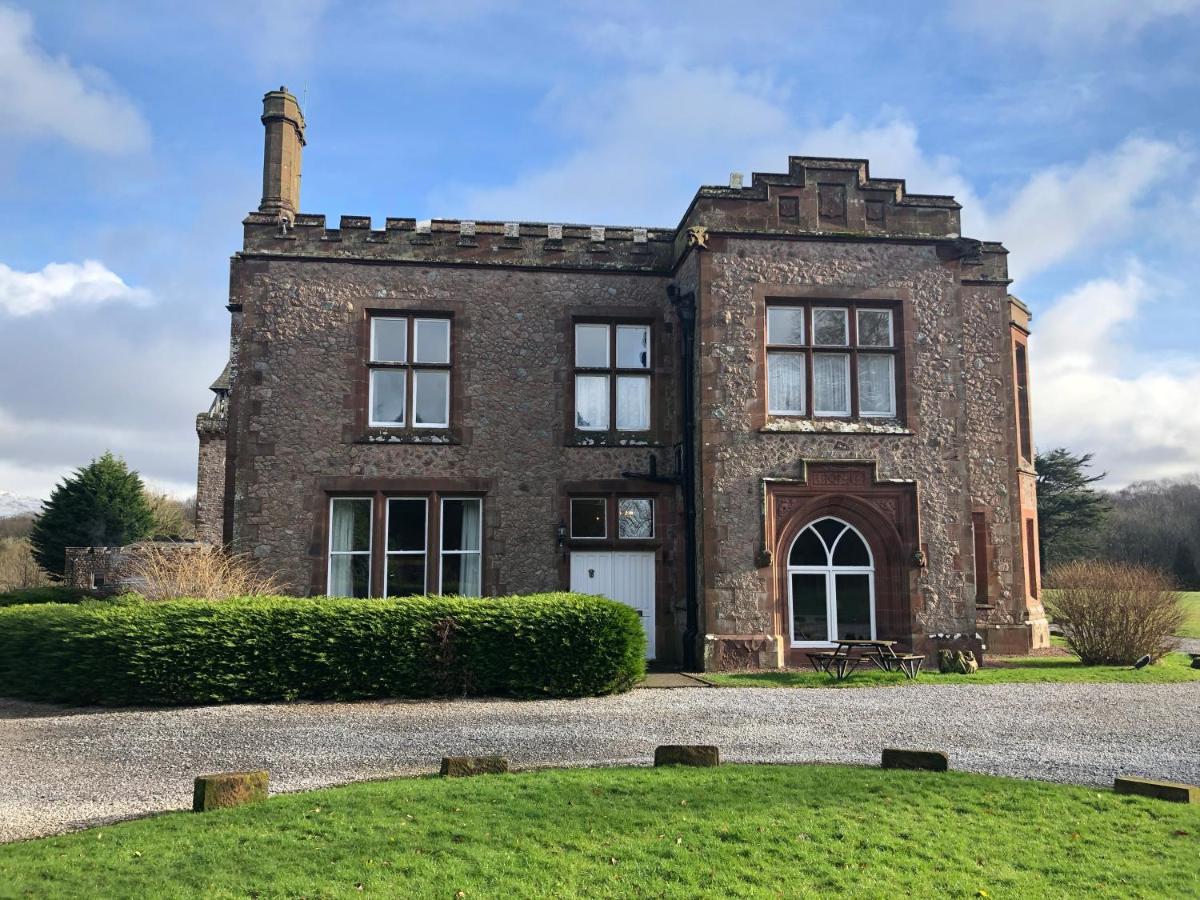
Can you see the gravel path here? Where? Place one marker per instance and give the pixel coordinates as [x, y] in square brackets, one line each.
[63, 769]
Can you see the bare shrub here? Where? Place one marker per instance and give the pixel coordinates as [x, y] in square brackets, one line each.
[18, 568]
[202, 571]
[1113, 614]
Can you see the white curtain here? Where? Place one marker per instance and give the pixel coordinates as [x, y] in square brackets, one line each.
[470, 581]
[344, 512]
[831, 393]
[785, 383]
[633, 403]
[591, 401]
[876, 391]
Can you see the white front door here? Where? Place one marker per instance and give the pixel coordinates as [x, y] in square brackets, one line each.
[625, 576]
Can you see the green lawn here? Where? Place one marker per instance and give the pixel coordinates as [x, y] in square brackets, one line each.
[1173, 667]
[1191, 603]
[744, 831]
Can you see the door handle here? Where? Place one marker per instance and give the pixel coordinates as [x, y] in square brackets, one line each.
[591, 573]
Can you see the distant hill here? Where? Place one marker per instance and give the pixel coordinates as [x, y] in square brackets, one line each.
[15, 505]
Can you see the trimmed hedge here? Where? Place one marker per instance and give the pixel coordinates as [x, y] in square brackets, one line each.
[54, 593]
[285, 648]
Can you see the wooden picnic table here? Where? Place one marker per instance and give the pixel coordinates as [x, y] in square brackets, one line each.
[841, 662]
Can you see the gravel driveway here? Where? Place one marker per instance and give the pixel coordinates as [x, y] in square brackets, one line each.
[62, 769]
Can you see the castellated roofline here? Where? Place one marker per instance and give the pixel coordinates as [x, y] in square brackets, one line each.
[816, 199]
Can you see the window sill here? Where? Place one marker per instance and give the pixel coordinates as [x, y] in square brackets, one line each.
[612, 439]
[433, 436]
[781, 425]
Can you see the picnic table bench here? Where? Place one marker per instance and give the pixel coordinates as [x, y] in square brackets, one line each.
[841, 662]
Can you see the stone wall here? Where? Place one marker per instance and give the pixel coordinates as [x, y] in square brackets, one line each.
[954, 444]
[98, 569]
[296, 419]
[210, 478]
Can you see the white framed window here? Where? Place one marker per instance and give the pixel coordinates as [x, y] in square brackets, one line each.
[409, 390]
[635, 518]
[831, 361]
[589, 518]
[876, 385]
[831, 326]
[831, 585]
[405, 556]
[875, 328]
[831, 384]
[350, 536]
[613, 380]
[461, 551]
[785, 383]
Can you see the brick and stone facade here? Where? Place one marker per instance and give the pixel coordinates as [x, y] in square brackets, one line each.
[940, 491]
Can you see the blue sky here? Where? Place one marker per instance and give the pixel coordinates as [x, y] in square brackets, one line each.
[130, 150]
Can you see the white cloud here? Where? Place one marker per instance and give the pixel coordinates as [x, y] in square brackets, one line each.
[64, 284]
[1053, 23]
[1092, 391]
[640, 148]
[42, 95]
[1062, 208]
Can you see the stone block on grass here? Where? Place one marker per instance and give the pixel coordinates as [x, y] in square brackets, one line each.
[703, 755]
[226, 789]
[465, 766]
[1160, 790]
[928, 760]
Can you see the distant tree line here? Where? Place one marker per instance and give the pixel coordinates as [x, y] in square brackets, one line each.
[1149, 523]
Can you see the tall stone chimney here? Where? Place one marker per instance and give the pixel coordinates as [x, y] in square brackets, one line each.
[284, 143]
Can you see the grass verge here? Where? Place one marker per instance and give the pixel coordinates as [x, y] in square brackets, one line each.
[1174, 667]
[1191, 605]
[735, 831]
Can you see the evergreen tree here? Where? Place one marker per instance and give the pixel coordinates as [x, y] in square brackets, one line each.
[101, 505]
[1071, 513]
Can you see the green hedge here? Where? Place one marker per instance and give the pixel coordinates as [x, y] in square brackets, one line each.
[284, 648]
[54, 593]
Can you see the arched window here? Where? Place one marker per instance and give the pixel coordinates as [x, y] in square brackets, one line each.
[831, 584]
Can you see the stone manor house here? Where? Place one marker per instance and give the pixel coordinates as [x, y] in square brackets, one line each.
[801, 414]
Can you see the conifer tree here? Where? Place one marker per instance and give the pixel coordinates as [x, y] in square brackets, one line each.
[102, 505]
[1071, 512]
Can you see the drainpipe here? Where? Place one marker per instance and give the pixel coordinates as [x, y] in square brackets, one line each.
[685, 308]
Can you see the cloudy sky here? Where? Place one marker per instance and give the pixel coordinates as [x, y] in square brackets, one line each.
[130, 150]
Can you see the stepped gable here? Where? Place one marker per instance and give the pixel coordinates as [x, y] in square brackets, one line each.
[825, 196]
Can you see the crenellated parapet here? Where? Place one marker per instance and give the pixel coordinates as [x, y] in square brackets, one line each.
[461, 241]
[821, 196]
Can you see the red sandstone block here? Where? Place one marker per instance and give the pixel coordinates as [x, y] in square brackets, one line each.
[465, 766]
[702, 755]
[929, 760]
[1160, 790]
[228, 789]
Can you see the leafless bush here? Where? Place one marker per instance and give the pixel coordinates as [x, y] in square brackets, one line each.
[203, 571]
[18, 569]
[1114, 614]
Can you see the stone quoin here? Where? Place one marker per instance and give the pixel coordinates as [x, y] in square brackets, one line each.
[800, 414]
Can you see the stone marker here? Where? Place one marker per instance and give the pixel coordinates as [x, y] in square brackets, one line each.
[228, 789]
[930, 760]
[463, 766]
[1160, 790]
[703, 755]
